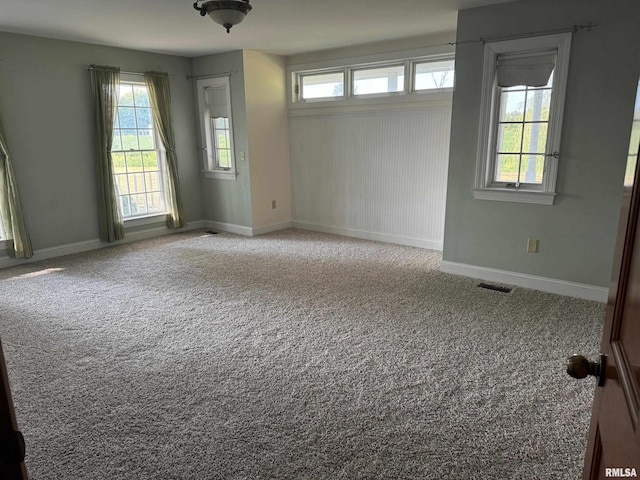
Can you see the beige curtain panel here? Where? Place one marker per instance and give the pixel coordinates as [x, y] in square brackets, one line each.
[160, 97]
[15, 231]
[105, 83]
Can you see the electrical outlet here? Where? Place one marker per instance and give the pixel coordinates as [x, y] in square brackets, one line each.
[532, 245]
[273, 204]
[242, 156]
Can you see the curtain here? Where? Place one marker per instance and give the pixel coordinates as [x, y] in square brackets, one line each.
[160, 97]
[105, 83]
[15, 231]
[529, 70]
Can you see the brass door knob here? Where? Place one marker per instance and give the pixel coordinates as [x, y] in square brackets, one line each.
[580, 367]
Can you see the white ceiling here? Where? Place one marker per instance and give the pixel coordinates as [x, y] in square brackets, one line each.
[282, 27]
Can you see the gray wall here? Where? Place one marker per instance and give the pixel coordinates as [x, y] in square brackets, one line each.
[227, 201]
[46, 106]
[577, 234]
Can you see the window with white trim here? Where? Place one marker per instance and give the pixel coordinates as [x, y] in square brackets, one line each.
[216, 128]
[371, 81]
[324, 85]
[399, 77]
[433, 75]
[522, 105]
[136, 155]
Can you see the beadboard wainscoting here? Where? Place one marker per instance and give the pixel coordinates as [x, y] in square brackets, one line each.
[378, 175]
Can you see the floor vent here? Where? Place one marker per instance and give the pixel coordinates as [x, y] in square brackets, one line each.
[211, 232]
[497, 288]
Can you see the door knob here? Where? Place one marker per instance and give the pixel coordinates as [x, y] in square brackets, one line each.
[580, 367]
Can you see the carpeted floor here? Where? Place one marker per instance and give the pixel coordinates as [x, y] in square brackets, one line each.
[293, 355]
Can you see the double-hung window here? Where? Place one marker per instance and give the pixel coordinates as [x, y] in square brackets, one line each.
[216, 128]
[137, 161]
[521, 119]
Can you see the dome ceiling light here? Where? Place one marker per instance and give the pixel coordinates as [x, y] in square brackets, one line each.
[224, 12]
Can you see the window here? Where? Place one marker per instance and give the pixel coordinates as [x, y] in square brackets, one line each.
[137, 166]
[388, 79]
[433, 75]
[322, 85]
[216, 128]
[521, 119]
[633, 144]
[394, 77]
[219, 128]
[521, 143]
[221, 134]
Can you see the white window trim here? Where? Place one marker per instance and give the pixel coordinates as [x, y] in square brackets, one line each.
[406, 65]
[134, 220]
[299, 89]
[409, 99]
[484, 186]
[209, 169]
[413, 65]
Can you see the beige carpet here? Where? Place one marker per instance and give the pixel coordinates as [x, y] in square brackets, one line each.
[293, 355]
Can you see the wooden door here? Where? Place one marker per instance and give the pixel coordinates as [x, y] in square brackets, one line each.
[613, 449]
[11, 442]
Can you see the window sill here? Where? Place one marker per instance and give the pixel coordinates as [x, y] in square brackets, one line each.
[220, 174]
[145, 220]
[517, 196]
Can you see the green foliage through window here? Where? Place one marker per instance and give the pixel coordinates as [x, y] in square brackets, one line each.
[521, 138]
[135, 158]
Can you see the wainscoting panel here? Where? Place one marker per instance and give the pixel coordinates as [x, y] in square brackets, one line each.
[378, 172]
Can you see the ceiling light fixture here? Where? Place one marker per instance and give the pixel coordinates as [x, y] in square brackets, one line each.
[225, 12]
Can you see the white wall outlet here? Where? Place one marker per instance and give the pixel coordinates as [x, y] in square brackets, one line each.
[242, 156]
[532, 245]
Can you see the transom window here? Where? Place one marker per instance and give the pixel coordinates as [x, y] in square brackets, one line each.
[135, 154]
[387, 79]
[433, 75]
[394, 77]
[322, 85]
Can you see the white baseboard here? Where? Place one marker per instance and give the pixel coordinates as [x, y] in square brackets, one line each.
[544, 284]
[271, 228]
[366, 235]
[79, 247]
[229, 228]
[245, 231]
